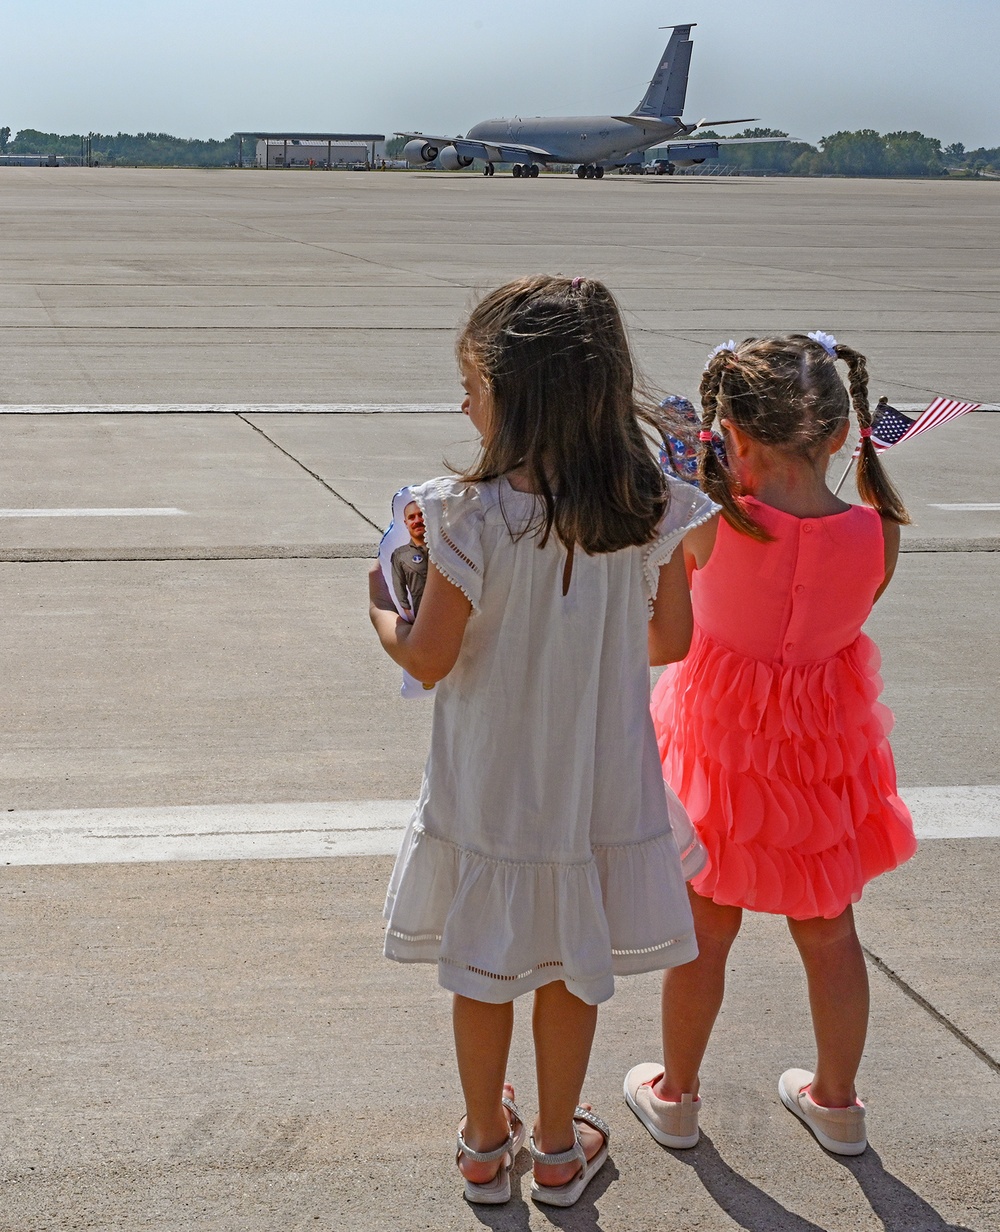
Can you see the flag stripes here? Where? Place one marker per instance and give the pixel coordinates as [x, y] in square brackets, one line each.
[939, 412]
[888, 429]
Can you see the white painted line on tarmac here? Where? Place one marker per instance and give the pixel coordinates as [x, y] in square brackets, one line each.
[92, 513]
[292, 408]
[969, 507]
[203, 832]
[338, 828]
[954, 812]
[234, 408]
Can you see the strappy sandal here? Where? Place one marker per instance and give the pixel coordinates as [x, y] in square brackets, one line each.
[495, 1191]
[567, 1194]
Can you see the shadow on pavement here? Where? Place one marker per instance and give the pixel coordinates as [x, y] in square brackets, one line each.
[899, 1207]
[515, 1216]
[742, 1201]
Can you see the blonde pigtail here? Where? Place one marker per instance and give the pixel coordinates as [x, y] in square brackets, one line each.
[716, 480]
[874, 485]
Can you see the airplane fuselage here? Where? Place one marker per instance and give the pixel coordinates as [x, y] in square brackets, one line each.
[578, 139]
[593, 143]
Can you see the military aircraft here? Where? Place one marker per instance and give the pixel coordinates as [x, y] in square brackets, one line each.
[594, 143]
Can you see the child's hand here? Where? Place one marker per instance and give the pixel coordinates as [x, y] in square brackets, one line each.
[378, 590]
[428, 649]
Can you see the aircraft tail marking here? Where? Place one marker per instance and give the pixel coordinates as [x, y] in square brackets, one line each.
[667, 90]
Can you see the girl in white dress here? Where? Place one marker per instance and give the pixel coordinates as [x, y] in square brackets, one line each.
[540, 857]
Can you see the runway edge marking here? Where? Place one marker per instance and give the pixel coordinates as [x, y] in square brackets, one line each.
[235, 408]
[332, 828]
[290, 408]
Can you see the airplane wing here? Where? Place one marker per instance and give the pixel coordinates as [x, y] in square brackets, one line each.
[694, 150]
[678, 147]
[756, 140]
[505, 152]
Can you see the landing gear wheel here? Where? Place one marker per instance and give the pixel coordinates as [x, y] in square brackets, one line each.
[488, 169]
[581, 172]
[598, 173]
[516, 171]
[534, 171]
[589, 173]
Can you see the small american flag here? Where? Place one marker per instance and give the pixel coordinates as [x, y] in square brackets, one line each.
[891, 427]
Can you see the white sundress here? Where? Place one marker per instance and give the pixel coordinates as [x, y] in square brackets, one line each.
[541, 846]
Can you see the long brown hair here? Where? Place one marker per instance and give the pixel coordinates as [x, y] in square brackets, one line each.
[786, 392]
[556, 367]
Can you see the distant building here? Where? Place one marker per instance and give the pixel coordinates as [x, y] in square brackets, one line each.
[32, 160]
[274, 153]
[314, 149]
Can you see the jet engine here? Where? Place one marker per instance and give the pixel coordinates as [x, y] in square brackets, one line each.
[451, 160]
[418, 152]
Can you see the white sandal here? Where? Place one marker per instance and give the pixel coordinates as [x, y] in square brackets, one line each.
[567, 1194]
[495, 1191]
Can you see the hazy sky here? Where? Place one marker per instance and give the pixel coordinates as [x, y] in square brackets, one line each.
[207, 68]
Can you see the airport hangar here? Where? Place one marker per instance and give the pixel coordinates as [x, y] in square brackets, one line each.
[313, 149]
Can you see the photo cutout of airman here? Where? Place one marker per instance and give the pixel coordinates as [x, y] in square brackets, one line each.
[409, 563]
[404, 559]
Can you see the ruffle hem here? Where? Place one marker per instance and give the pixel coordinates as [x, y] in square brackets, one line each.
[787, 775]
[628, 905]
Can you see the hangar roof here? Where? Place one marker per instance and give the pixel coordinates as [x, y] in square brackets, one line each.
[314, 136]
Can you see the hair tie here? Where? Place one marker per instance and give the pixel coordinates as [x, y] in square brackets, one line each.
[826, 341]
[865, 433]
[723, 346]
[576, 283]
[705, 435]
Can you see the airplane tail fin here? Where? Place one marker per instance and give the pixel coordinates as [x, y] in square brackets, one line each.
[665, 96]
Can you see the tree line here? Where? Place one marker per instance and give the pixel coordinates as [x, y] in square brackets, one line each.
[130, 149]
[861, 153]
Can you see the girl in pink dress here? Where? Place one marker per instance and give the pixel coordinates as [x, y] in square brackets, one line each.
[770, 730]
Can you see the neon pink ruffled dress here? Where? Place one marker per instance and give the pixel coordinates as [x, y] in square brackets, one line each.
[770, 731]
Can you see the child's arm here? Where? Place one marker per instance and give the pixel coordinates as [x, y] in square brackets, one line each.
[890, 536]
[428, 648]
[698, 545]
[671, 624]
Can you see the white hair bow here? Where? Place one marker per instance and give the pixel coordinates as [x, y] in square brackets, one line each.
[723, 346]
[826, 341]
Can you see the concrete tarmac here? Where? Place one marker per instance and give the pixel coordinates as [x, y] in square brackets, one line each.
[217, 1044]
[129, 286]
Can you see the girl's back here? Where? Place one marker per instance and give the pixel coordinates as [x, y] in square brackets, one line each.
[543, 778]
[546, 708]
[803, 596]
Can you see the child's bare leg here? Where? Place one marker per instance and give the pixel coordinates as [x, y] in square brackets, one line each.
[563, 1027]
[838, 997]
[692, 997]
[482, 1042]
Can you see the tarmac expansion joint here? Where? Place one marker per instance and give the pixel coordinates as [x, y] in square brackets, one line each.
[935, 1013]
[319, 478]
